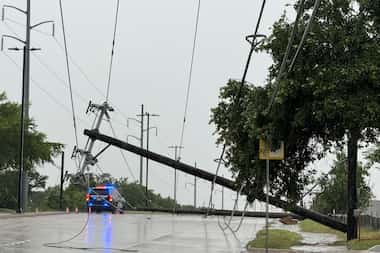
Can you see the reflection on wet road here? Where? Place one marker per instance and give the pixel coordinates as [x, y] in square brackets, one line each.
[135, 232]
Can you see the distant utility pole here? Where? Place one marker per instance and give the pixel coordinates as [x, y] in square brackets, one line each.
[141, 121]
[25, 88]
[195, 188]
[140, 139]
[177, 158]
[148, 128]
[62, 180]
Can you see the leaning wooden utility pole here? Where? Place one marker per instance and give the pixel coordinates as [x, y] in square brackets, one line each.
[275, 201]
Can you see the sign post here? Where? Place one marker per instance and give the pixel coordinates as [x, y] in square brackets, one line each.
[268, 152]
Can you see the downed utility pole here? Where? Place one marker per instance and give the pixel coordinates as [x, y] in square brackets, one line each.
[323, 219]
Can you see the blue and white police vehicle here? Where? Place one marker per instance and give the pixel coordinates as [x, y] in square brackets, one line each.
[105, 198]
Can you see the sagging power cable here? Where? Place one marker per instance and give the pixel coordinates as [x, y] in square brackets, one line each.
[69, 74]
[282, 74]
[238, 96]
[190, 76]
[122, 154]
[113, 50]
[238, 193]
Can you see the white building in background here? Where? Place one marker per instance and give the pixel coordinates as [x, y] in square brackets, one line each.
[373, 209]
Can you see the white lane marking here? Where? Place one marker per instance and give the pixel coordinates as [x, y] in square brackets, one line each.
[15, 243]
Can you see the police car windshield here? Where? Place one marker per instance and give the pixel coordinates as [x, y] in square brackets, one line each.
[99, 192]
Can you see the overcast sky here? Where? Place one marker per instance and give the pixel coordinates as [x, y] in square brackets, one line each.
[151, 66]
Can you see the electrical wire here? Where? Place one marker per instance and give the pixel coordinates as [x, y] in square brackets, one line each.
[238, 96]
[233, 210]
[282, 74]
[190, 77]
[113, 50]
[39, 86]
[77, 66]
[306, 32]
[122, 154]
[69, 74]
[58, 77]
[57, 244]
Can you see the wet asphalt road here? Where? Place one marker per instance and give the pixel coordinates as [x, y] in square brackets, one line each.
[145, 233]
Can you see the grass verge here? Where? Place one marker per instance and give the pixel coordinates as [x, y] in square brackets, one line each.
[315, 227]
[368, 238]
[278, 239]
[5, 210]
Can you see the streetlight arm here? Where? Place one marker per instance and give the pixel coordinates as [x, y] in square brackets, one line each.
[150, 128]
[133, 119]
[45, 22]
[10, 37]
[11, 7]
[134, 137]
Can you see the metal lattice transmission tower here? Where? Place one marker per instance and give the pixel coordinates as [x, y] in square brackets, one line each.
[87, 159]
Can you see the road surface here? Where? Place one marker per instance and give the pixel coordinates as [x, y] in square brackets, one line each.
[145, 233]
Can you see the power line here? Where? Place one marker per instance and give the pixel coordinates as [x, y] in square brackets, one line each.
[122, 154]
[282, 72]
[113, 49]
[68, 74]
[81, 71]
[190, 76]
[39, 86]
[238, 96]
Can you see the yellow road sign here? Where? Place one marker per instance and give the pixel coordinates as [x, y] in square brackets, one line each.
[266, 151]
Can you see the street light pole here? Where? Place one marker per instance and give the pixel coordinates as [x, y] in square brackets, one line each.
[176, 149]
[20, 199]
[27, 59]
[61, 187]
[195, 188]
[141, 142]
[25, 91]
[267, 208]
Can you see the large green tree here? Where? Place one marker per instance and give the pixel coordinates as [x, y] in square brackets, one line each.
[332, 197]
[38, 151]
[330, 98]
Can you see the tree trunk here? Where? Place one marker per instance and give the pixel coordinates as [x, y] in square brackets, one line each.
[352, 199]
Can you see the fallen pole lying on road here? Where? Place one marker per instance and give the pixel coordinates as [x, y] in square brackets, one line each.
[217, 212]
[306, 213]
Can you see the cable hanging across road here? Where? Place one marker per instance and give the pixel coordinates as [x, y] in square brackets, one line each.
[113, 50]
[282, 74]
[190, 76]
[238, 96]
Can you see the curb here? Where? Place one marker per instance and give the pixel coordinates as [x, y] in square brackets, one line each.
[28, 215]
[263, 250]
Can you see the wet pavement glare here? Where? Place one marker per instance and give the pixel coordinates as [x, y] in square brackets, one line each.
[145, 233]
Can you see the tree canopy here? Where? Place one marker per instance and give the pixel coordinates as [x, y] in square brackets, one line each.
[331, 95]
[332, 197]
[37, 149]
[37, 152]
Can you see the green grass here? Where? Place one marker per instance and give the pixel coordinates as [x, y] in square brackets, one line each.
[315, 227]
[278, 239]
[5, 210]
[362, 244]
[368, 238]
